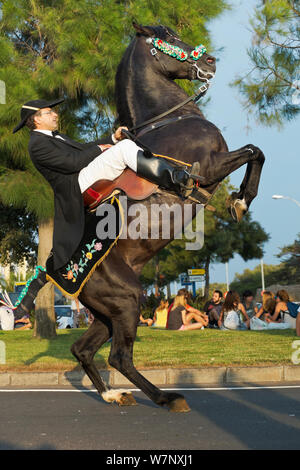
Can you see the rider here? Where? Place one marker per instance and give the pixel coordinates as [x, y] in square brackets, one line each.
[71, 168]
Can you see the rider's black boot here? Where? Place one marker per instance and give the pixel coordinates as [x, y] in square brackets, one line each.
[159, 171]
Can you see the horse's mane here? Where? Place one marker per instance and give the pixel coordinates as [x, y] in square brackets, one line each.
[122, 75]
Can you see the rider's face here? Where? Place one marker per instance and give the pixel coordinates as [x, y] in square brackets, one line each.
[46, 119]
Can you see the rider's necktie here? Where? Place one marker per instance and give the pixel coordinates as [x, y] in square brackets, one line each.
[57, 135]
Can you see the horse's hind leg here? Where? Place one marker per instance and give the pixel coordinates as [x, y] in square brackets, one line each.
[121, 354]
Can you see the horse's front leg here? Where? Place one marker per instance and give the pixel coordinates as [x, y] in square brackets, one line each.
[223, 164]
[249, 187]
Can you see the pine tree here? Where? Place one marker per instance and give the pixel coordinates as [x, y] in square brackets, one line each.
[290, 256]
[272, 88]
[70, 49]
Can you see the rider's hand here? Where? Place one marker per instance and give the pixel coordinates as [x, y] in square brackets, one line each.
[118, 134]
[104, 147]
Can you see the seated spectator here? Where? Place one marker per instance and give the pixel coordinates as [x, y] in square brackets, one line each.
[145, 321]
[269, 307]
[23, 323]
[187, 296]
[249, 303]
[213, 308]
[263, 309]
[161, 314]
[11, 317]
[7, 318]
[231, 313]
[181, 316]
[281, 312]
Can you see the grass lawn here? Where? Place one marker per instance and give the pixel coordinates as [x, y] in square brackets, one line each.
[154, 349]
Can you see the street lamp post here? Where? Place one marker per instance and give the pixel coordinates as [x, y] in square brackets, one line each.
[262, 274]
[279, 196]
[227, 275]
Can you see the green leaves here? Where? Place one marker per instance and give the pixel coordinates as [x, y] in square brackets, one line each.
[269, 90]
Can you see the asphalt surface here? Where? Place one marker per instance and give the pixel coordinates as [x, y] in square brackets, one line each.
[223, 419]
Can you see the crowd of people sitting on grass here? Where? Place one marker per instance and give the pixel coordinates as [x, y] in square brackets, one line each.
[227, 312]
[224, 312]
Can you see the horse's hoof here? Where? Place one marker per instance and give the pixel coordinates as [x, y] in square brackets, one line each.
[179, 405]
[127, 399]
[236, 208]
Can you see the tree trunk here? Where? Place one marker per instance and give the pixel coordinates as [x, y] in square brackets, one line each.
[206, 289]
[44, 326]
[168, 291]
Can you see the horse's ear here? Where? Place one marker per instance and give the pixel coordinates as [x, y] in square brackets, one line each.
[143, 30]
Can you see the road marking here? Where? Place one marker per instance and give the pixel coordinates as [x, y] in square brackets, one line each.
[191, 389]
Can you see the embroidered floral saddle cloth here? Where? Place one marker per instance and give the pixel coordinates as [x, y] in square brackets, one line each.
[102, 230]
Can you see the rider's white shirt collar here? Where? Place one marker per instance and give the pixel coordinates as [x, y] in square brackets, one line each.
[46, 132]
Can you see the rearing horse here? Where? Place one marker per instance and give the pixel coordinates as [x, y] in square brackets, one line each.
[145, 88]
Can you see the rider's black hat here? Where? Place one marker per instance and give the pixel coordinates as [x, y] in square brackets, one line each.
[31, 107]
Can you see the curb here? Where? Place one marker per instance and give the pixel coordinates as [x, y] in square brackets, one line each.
[200, 376]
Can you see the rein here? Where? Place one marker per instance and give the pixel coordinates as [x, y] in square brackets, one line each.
[181, 55]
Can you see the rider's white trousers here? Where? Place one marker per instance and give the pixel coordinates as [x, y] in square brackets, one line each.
[109, 164]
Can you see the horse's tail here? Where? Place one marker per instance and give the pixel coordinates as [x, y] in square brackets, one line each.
[25, 302]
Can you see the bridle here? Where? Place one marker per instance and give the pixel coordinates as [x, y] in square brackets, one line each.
[181, 55]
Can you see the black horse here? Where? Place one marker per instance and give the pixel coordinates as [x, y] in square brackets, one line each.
[145, 88]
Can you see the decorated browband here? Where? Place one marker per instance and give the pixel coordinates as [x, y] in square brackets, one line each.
[175, 51]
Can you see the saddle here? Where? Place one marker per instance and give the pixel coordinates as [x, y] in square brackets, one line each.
[136, 188]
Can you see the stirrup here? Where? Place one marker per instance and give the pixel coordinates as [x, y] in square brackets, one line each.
[194, 176]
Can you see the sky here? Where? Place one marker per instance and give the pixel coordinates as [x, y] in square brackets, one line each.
[281, 172]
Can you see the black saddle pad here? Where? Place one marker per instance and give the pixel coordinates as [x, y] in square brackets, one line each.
[91, 251]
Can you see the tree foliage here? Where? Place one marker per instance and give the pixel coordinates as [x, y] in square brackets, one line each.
[290, 256]
[285, 273]
[272, 88]
[18, 236]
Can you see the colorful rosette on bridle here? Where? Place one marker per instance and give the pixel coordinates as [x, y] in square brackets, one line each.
[169, 49]
[198, 52]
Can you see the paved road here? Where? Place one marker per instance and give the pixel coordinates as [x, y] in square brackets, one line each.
[220, 419]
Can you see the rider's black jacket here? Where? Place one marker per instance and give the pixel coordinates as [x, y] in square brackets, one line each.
[60, 162]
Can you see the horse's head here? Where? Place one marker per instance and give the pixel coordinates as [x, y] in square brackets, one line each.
[173, 57]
